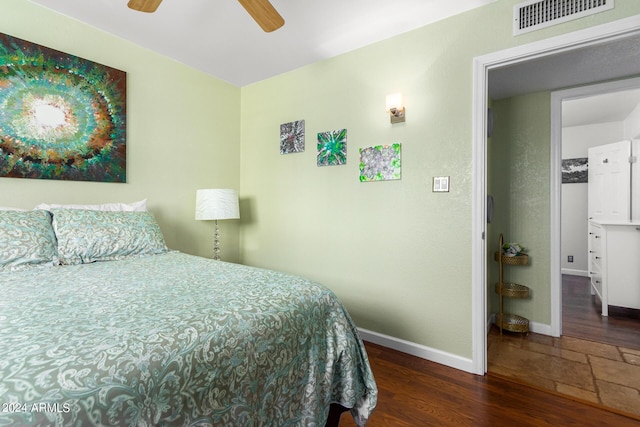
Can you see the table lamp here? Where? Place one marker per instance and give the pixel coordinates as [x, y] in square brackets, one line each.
[217, 204]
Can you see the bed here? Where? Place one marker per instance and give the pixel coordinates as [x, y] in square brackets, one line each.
[101, 324]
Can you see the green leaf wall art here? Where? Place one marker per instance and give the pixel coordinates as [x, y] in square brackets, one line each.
[332, 148]
[380, 163]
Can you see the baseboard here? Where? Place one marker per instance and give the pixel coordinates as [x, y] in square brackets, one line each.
[435, 355]
[575, 272]
[540, 328]
[418, 350]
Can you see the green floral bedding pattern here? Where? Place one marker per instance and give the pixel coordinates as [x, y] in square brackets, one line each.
[26, 240]
[176, 340]
[86, 236]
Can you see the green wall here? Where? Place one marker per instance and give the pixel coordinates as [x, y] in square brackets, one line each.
[183, 131]
[519, 180]
[396, 253]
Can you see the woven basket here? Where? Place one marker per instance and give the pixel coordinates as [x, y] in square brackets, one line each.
[512, 322]
[512, 260]
[512, 290]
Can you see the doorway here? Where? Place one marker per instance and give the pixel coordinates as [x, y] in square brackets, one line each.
[625, 31]
[590, 116]
[539, 359]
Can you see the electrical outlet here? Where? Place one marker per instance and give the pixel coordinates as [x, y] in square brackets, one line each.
[570, 258]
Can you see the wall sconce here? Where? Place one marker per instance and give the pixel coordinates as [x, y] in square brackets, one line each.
[395, 107]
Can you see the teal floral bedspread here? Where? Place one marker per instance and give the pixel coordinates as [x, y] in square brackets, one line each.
[175, 340]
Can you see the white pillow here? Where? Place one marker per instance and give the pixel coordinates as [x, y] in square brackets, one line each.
[139, 206]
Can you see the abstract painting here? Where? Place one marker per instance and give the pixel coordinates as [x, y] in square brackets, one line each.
[380, 163]
[575, 171]
[292, 137]
[61, 117]
[332, 148]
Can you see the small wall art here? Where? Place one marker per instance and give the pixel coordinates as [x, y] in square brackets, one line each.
[575, 171]
[61, 117]
[380, 163]
[332, 148]
[292, 137]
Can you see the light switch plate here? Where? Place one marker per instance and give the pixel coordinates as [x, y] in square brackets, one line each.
[440, 184]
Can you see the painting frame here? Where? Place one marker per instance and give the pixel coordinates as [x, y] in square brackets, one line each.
[381, 163]
[575, 171]
[292, 137]
[62, 117]
[332, 148]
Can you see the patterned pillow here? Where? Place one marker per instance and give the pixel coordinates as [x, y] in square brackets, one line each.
[26, 240]
[86, 235]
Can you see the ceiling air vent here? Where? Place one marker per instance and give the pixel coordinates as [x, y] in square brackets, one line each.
[535, 14]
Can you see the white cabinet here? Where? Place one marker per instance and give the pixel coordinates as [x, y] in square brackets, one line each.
[614, 263]
[595, 263]
[614, 226]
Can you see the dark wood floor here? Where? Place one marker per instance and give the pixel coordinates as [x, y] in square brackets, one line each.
[581, 316]
[416, 392]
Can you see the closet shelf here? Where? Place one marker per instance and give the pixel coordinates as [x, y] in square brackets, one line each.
[512, 290]
[510, 322]
[512, 260]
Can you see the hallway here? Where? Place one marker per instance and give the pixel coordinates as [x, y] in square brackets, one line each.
[597, 360]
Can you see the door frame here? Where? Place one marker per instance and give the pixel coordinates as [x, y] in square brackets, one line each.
[481, 66]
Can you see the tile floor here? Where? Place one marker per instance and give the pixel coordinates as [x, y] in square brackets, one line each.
[602, 374]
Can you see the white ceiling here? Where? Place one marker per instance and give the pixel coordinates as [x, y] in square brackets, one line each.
[605, 108]
[613, 60]
[220, 38]
[605, 61]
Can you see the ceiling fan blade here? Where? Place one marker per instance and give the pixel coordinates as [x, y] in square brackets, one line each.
[148, 6]
[264, 14]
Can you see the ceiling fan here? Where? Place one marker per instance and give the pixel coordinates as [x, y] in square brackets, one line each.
[262, 11]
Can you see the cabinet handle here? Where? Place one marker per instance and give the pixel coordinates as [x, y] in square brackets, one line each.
[597, 237]
[605, 161]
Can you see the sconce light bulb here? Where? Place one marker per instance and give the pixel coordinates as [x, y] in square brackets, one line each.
[394, 102]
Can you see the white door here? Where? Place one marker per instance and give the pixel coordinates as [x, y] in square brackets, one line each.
[610, 182]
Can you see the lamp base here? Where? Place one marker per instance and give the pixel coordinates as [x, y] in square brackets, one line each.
[216, 243]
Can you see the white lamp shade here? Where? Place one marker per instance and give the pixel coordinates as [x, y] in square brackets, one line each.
[217, 204]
